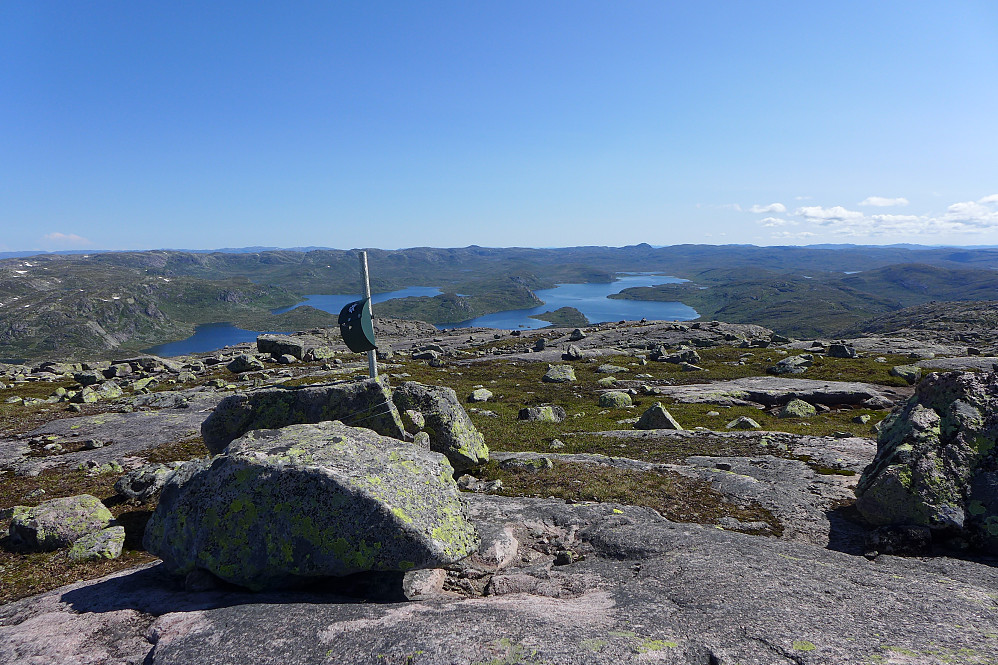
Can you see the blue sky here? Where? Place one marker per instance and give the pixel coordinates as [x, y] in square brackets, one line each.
[128, 125]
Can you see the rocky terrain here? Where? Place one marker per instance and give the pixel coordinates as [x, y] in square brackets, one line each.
[650, 492]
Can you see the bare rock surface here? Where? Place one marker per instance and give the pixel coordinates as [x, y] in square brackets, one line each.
[973, 363]
[122, 433]
[772, 390]
[646, 590]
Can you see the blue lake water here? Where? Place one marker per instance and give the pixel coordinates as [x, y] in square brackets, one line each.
[333, 304]
[590, 299]
[207, 337]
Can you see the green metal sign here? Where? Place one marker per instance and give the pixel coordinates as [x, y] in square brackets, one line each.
[356, 326]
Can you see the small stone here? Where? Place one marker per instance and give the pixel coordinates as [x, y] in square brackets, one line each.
[743, 422]
[556, 444]
[862, 419]
[526, 464]
[606, 382]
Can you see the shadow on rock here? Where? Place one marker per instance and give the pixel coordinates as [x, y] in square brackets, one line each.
[152, 590]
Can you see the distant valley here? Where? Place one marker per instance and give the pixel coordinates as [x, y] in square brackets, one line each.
[102, 304]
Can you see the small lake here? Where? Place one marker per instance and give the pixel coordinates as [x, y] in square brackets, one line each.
[207, 337]
[590, 299]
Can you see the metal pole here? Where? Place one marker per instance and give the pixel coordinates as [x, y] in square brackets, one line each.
[372, 355]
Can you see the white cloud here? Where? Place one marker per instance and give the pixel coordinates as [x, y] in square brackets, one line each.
[777, 221]
[989, 199]
[883, 202]
[802, 198]
[66, 239]
[772, 207]
[820, 215]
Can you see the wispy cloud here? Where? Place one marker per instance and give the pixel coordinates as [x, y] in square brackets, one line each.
[961, 218]
[772, 222]
[57, 239]
[820, 215]
[772, 207]
[793, 235]
[883, 202]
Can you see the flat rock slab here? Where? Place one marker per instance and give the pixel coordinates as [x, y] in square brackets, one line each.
[648, 591]
[975, 363]
[773, 390]
[122, 433]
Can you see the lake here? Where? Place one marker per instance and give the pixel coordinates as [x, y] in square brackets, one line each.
[590, 299]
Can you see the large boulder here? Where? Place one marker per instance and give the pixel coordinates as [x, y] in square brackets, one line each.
[57, 523]
[450, 429]
[282, 507]
[910, 373]
[797, 408]
[937, 461]
[559, 374]
[614, 400]
[793, 364]
[549, 413]
[245, 362]
[280, 345]
[366, 403]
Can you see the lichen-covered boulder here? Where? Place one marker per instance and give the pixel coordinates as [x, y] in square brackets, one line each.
[99, 545]
[797, 408]
[910, 373]
[614, 400]
[450, 429]
[937, 460]
[480, 395]
[57, 523]
[559, 374]
[282, 507]
[657, 417]
[366, 403]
